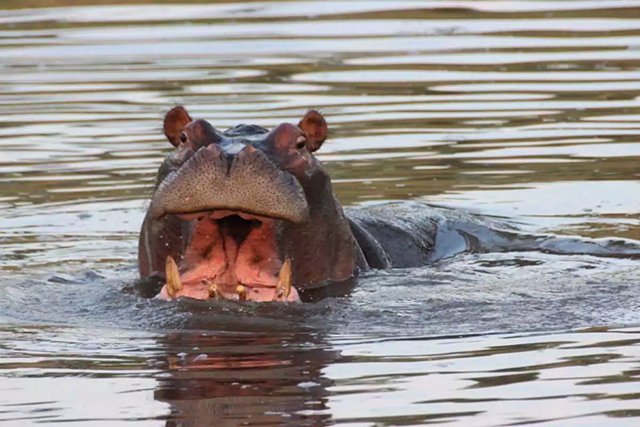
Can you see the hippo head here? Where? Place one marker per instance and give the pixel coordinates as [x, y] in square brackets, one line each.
[246, 213]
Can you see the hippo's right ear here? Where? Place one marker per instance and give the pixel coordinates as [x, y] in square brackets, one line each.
[315, 126]
[175, 120]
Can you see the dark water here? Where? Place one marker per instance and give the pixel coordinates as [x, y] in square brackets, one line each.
[523, 113]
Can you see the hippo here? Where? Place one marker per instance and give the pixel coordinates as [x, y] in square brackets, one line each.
[249, 214]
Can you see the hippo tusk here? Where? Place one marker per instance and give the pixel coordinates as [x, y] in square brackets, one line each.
[214, 292]
[284, 282]
[242, 292]
[174, 283]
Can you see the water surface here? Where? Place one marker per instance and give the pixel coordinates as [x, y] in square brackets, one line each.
[522, 112]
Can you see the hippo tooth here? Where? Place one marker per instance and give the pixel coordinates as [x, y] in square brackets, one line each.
[174, 283]
[284, 282]
[242, 292]
[213, 291]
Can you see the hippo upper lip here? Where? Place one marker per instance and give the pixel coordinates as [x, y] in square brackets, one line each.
[219, 214]
[249, 182]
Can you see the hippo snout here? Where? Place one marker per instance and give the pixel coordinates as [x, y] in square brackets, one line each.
[237, 180]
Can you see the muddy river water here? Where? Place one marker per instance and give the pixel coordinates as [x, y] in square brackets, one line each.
[525, 112]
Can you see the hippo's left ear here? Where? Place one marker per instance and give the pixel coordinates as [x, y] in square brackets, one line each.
[175, 120]
[315, 126]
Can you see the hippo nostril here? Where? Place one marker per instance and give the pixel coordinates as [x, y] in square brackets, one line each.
[245, 151]
[213, 148]
[235, 148]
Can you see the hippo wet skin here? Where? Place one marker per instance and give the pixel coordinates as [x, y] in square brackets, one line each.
[250, 214]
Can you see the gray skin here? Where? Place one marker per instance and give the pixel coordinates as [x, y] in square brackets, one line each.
[324, 242]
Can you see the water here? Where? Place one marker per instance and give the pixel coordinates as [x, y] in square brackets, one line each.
[523, 112]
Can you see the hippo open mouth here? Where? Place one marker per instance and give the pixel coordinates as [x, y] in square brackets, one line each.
[231, 254]
[235, 205]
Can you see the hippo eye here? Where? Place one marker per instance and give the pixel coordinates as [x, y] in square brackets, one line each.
[301, 142]
[183, 137]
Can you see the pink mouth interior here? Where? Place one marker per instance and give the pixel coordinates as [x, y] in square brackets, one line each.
[227, 249]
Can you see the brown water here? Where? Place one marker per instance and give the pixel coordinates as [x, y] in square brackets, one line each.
[529, 111]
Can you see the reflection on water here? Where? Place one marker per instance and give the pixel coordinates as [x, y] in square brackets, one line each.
[258, 378]
[523, 110]
[302, 379]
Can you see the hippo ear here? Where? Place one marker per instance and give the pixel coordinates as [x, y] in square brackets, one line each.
[315, 126]
[175, 120]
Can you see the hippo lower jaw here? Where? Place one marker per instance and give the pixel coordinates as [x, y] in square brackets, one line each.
[231, 255]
